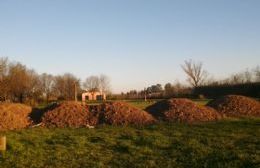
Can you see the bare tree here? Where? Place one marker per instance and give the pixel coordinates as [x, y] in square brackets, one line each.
[64, 86]
[236, 79]
[34, 91]
[19, 81]
[92, 84]
[47, 85]
[104, 84]
[248, 76]
[194, 71]
[3, 66]
[3, 78]
[257, 74]
[241, 77]
[168, 90]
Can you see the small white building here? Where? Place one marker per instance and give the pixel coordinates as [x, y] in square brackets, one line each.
[93, 96]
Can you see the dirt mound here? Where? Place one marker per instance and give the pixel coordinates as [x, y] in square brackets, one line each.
[182, 110]
[119, 113]
[69, 114]
[14, 116]
[235, 106]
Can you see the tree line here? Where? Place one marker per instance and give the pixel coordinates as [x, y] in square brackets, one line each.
[21, 84]
[201, 85]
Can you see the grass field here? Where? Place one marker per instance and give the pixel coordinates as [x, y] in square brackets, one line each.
[229, 143]
[143, 104]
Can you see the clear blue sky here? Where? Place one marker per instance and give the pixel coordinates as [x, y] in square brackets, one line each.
[135, 42]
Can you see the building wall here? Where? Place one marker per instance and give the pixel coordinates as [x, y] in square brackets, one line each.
[92, 96]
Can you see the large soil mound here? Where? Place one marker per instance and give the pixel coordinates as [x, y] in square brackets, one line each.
[119, 113]
[14, 116]
[235, 106]
[69, 114]
[182, 110]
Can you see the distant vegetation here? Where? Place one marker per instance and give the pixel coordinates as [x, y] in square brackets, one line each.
[202, 86]
[21, 84]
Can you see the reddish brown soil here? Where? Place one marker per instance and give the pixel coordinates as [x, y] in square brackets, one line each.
[182, 110]
[235, 106]
[69, 114]
[14, 116]
[119, 113]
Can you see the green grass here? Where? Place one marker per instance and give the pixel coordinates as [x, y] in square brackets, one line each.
[141, 103]
[202, 101]
[136, 103]
[144, 104]
[228, 143]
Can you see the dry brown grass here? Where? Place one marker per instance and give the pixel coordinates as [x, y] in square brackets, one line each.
[69, 114]
[182, 110]
[14, 116]
[235, 106]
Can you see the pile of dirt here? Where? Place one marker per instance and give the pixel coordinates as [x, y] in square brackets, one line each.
[119, 113]
[182, 110]
[14, 116]
[69, 114]
[236, 106]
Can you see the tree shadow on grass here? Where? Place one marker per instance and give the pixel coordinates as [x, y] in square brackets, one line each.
[37, 113]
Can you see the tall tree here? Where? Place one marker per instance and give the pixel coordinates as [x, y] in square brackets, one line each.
[168, 89]
[257, 74]
[34, 91]
[194, 71]
[19, 81]
[155, 88]
[47, 85]
[92, 84]
[3, 78]
[104, 84]
[64, 86]
[3, 66]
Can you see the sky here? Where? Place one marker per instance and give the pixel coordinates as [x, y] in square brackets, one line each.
[136, 43]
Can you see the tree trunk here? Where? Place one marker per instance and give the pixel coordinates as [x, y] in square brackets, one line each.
[21, 98]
